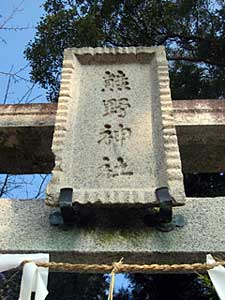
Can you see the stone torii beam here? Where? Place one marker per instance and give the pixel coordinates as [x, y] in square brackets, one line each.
[25, 147]
[26, 135]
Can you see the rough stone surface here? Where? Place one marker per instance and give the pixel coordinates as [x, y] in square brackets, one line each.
[27, 115]
[25, 138]
[24, 227]
[202, 112]
[115, 140]
[26, 135]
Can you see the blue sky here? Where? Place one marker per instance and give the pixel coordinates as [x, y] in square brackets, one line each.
[12, 45]
[27, 13]
[19, 14]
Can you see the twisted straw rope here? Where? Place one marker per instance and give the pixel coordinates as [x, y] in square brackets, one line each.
[119, 267]
[116, 266]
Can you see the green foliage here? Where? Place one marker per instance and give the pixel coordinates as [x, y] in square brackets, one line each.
[77, 286]
[193, 33]
[204, 185]
[208, 287]
[61, 286]
[171, 286]
[66, 286]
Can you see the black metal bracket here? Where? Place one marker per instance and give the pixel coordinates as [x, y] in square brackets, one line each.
[163, 218]
[66, 214]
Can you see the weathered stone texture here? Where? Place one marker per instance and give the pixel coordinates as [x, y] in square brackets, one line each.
[200, 126]
[115, 139]
[24, 227]
[25, 138]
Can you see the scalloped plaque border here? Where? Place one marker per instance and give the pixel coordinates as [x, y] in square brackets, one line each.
[172, 156]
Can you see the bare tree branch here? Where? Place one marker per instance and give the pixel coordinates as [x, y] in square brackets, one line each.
[14, 75]
[40, 190]
[7, 90]
[3, 189]
[10, 183]
[17, 28]
[3, 40]
[197, 60]
[14, 11]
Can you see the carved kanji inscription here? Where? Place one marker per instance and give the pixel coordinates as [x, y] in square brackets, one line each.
[114, 135]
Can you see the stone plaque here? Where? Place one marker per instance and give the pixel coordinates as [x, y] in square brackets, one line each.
[115, 139]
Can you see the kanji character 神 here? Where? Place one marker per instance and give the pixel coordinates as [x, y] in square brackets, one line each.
[119, 136]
